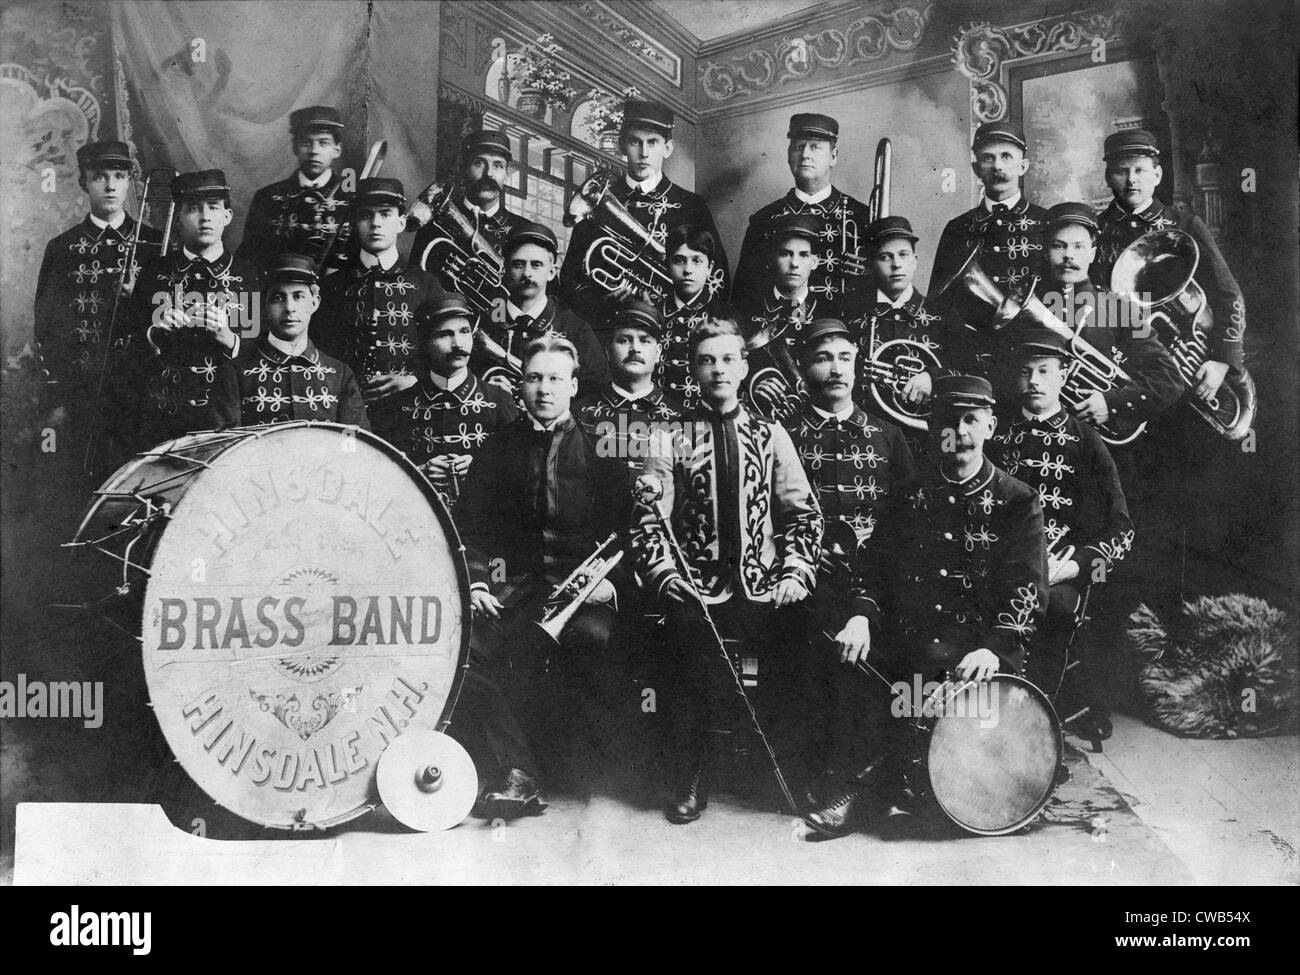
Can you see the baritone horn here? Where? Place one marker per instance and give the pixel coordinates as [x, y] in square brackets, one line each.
[1088, 371]
[459, 249]
[568, 596]
[625, 261]
[1156, 272]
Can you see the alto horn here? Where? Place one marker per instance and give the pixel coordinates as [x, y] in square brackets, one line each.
[973, 279]
[459, 249]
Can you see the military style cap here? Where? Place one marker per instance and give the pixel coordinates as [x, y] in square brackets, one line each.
[531, 233]
[811, 125]
[380, 191]
[820, 329]
[290, 267]
[654, 115]
[315, 117]
[794, 225]
[888, 227]
[1042, 341]
[487, 140]
[963, 392]
[999, 132]
[449, 304]
[104, 155]
[639, 314]
[1065, 213]
[1131, 142]
[206, 184]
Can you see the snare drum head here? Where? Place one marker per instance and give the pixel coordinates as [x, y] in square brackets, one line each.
[306, 605]
[993, 755]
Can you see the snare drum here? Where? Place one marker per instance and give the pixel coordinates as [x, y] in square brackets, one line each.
[987, 753]
[302, 602]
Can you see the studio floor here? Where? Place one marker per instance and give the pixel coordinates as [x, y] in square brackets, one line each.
[1151, 809]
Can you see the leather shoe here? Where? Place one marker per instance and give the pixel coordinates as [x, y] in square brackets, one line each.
[837, 817]
[519, 794]
[690, 800]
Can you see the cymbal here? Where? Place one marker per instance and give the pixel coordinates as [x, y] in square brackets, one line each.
[427, 780]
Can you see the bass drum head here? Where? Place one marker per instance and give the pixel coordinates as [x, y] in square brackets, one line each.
[993, 755]
[307, 604]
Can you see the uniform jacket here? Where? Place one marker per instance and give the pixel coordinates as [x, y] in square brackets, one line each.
[740, 503]
[593, 368]
[953, 567]
[666, 207]
[75, 289]
[1011, 250]
[674, 374]
[838, 212]
[367, 318]
[539, 500]
[288, 218]
[425, 421]
[1068, 464]
[187, 385]
[786, 321]
[622, 426]
[1119, 228]
[275, 387]
[853, 464]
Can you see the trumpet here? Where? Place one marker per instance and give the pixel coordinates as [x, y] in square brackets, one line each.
[1156, 272]
[1089, 370]
[625, 261]
[889, 370]
[459, 249]
[568, 596]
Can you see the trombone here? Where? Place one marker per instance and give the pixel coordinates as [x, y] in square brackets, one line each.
[128, 268]
[855, 264]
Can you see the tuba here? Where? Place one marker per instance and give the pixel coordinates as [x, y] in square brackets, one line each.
[459, 251]
[568, 596]
[1089, 370]
[624, 261]
[1156, 272]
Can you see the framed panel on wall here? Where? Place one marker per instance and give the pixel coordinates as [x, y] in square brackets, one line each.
[1068, 104]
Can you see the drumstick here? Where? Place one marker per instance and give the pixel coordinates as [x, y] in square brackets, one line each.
[863, 666]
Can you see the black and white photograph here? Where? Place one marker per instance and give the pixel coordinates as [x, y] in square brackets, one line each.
[651, 442]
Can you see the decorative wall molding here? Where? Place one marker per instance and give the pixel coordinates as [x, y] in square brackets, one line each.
[982, 52]
[795, 57]
[614, 25]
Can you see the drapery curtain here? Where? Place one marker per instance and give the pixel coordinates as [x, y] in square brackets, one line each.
[211, 84]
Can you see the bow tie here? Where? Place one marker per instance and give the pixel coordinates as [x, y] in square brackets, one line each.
[1000, 208]
[883, 308]
[523, 321]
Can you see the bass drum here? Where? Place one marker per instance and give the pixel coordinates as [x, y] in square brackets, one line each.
[993, 748]
[303, 601]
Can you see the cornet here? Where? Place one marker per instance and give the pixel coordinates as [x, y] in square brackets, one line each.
[567, 597]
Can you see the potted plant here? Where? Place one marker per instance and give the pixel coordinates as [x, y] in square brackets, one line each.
[541, 80]
[605, 118]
